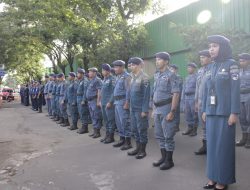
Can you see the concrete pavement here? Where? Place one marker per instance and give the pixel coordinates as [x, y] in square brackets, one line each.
[37, 154]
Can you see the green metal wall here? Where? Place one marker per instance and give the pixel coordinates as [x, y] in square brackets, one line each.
[162, 36]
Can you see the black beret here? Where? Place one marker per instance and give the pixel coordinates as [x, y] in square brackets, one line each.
[192, 65]
[218, 39]
[174, 66]
[163, 55]
[51, 75]
[118, 63]
[204, 53]
[93, 69]
[135, 60]
[80, 70]
[60, 75]
[46, 76]
[72, 74]
[106, 67]
[244, 56]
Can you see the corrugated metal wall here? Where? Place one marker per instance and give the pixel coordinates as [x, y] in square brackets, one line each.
[234, 15]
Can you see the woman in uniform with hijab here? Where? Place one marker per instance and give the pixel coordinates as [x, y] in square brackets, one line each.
[221, 106]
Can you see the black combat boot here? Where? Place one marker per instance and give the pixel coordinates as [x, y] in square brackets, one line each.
[40, 110]
[73, 127]
[53, 117]
[110, 139]
[120, 142]
[97, 134]
[106, 136]
[162, 159]
[194, 132]
[247, 145]
[57, 118]
[127, 145]
[203, 149]
[66, 123]
[188, 131]
[93, 134]
[243, 140]
[84, 129]
[168, 163]
[60, 121]
[142, 153]
[136, 150]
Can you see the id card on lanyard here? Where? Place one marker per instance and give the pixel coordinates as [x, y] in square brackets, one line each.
[213, 99]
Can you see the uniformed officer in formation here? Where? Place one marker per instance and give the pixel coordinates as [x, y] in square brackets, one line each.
[46, 93]
[121, 102]
[40, 96]
[64, 122]
[59, 119]
[35, 91]
[93, 96]
[71, 96]
[188, 97]
[245, 100]
[26, 95]
[166, 99]
[52, 90]
[205, 60]
[107, 103]
[174, 68]
[139, 107]
[82, 103]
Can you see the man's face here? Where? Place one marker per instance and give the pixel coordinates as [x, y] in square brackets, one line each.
[92, 74]
[160, 63]
[105, 73]
[79, 75]
[129, 67]
[244, 63]
[135, 68]
[190, 70]
[119, 69]
[205, 60]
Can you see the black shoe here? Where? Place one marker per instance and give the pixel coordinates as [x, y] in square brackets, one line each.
[110, 139]
[163, 157]
[97, 134]
[142, 153]
[208, 186]
[188, 131]
[92, 134]
[60, 121]
[136, 150]
[168, 163]
[194, 132]
[105, 138]
[203, 149]
[127, 145]
[177, 129]
[66, 123]
[40, 110]
[57, 118]
[243, 140]
[247, 145]
[120, 142]
[84, 129]
[225, 187]
[73, 127]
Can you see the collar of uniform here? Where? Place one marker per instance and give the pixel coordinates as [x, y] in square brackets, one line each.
[136, 76]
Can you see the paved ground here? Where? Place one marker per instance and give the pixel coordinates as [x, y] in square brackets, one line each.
[37, 154]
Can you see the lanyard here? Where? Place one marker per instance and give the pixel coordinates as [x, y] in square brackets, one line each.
[213, 78]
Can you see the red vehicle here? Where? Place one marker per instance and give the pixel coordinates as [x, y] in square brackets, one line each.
[7, 94]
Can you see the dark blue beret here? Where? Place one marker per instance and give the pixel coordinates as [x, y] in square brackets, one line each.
[72, 74]
[204, 53]
[80, 70]
[192, 65]
[218, 39]
[163, 55]
[135, 60]
[244, 56]
[60, 75]
[174, 66]
[54, 76]
[93, 69]
[51, 75]
[118, 63]
[46, 76]
[106, 67]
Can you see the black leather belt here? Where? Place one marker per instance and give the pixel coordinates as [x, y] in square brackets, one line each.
[92, 98]
[79, 94]
[119, 97]
[163, 102]
[189, 93]
[245, 91]
[53, 94]
[61, 95]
